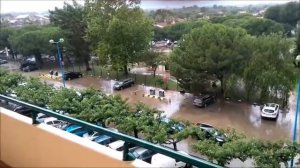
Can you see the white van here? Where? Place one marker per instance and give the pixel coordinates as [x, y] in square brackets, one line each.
[160, 160]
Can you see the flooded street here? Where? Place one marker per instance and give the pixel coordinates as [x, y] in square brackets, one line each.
[223, 114]
[243, 117]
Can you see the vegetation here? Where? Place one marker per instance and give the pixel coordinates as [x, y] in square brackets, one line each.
[287, 13]
[232, 58]
[34, 40]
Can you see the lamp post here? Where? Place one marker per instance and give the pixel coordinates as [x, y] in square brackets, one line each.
[61, 40]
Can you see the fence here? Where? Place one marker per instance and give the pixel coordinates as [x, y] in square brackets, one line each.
[108, 73]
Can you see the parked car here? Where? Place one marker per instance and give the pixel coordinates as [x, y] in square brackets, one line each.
[204, 100]
[160, 160]
[3, 61]
[54, 122]
[72, 75]
[119, 145]
[141, 153]
[270, 110]
[41, 117]
[29, 66]
[91, 135]
[119, 85]
[23, 111]
[212, 133]
[176, 127]
[72, 128]
[104, 140]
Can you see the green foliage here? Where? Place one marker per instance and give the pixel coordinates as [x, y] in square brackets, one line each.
[66, 100]
[210, 53]
[34, 41]
[274, 64]
[129, 33]
[288, 13]
[5, 33]
[9, 81]
[34, 92]
[255, 26]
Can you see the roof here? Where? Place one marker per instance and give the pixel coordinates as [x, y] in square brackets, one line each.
[270, 106]
[22, 16]
[140, 150]
[102, 138]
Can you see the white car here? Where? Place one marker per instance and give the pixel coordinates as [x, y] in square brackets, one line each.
[270, 110]
[54, 122]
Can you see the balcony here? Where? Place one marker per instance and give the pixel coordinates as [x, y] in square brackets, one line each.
[26, 143]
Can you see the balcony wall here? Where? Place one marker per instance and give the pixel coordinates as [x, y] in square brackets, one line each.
[27, 145]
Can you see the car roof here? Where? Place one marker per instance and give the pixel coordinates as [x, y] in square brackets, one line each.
[102, 138]
[50, 119]
[116, 144]
[140, 150]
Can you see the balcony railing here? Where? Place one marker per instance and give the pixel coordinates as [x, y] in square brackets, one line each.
[128, 139]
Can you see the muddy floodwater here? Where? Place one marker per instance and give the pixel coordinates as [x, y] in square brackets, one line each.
[223, 114]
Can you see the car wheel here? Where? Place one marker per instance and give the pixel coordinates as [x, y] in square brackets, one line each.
[121, 88]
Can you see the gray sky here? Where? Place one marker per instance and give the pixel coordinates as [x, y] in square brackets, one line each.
[8, 6]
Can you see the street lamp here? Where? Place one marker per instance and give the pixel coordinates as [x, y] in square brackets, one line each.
[61, 40]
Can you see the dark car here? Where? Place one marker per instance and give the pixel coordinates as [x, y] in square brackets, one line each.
[174, 127]
[123, 84]
[3, 61]
[23, 111]
[212, 133]
[29, 66]
[204, 100]
[72, 75]
[141, 153]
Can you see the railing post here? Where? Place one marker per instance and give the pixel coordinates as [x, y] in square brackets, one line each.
[125, 151]
[34, 115]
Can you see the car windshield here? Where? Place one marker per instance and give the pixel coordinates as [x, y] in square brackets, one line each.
[269, 111]
[119, 83]
[135, 154]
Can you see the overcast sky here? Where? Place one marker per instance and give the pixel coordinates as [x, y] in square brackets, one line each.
[8, 6]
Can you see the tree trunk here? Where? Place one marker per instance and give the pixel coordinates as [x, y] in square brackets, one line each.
[38, 59]
[154, 71]
[222, 85]
[135, 133]
[125, 70]
[86, 62]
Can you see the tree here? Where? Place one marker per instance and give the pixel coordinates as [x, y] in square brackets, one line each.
[98, 108]
[9, 81]
[135, 122]
[213, 52]
[287, 13]
[4, 35]
[129, 33]
[275, 66]
[35, 92]
[66, 100]
[34, 41]
[153, 59]
[71, 20]
[256, 26]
